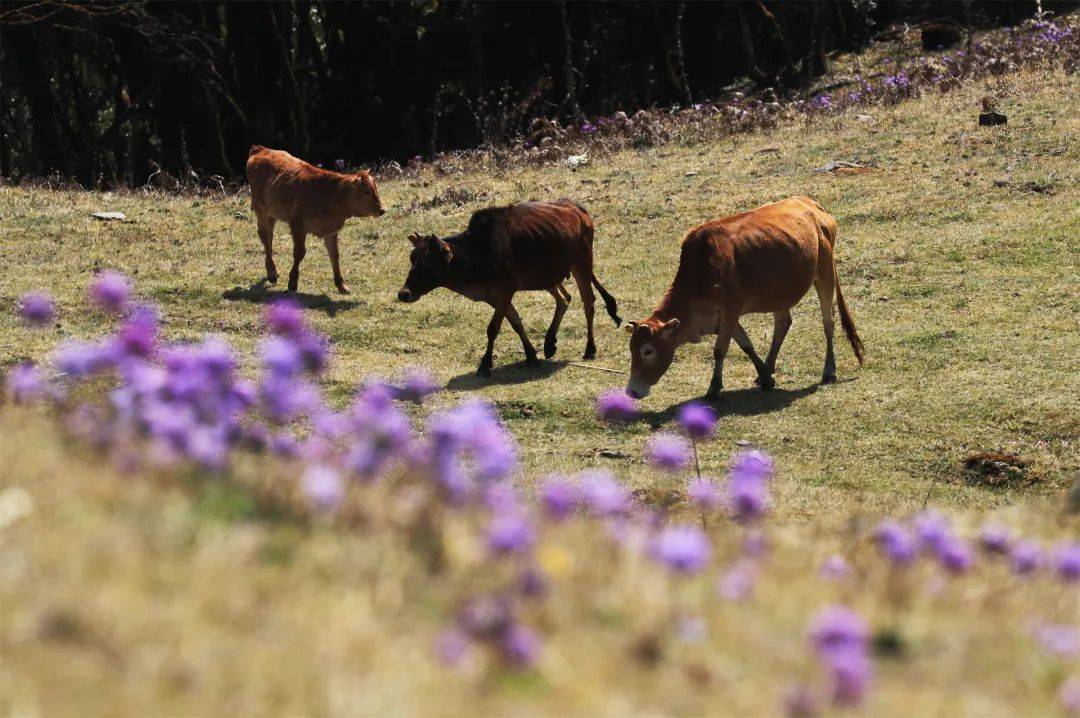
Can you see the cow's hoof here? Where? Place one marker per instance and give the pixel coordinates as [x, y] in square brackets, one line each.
[712, 396]
[828, 379]
[590, 354]
[292, 286]
[532, 360]
[342, 289]
[483, 371]
[549, 348]
[271, 278]
[767, 383]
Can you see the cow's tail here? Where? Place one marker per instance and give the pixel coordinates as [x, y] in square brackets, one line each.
[846, 321]
[609, 301]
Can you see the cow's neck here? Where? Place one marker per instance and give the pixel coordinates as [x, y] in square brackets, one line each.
[695, 317]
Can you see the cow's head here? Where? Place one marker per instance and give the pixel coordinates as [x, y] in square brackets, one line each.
[652, 347]
[364, 196]
[429, 267]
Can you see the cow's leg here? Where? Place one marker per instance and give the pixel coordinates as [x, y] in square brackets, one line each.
[515, 322]
[583, 277]
[501, 305]
[331, 242]
[824, 285]
[266, 236]
[299, 249]
[743, 340]
[561, 303]
[565, 294]
[781, 324]
[723, 337]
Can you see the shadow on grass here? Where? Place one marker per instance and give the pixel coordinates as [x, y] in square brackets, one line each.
[751, 401]
[259, 293]
[506, 375]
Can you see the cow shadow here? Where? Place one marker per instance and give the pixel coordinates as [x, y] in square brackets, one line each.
[260, 293]
[750, 401]
[506, 375]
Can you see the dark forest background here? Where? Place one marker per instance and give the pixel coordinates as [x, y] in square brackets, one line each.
[109, 93]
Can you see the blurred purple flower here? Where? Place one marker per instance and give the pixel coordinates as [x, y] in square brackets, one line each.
[838, 629]
[1067, 562]
[684, 549]
[280, 356]
[697, 421]
[533, 583]
[521, 646]
[452, 646]
[110, 291]
[955, 555]
[1027, 557]
[747, 497]
[995, 539]
[36, 309]
[703, 493]
[510, 532]
[737, 583]
[603, 494]
[25, 383]
[559, 497]
[79, 359]
[323, 487]
[668, 452]
[850, 673]
[138, 334]
[615, 407]
[932, 530]
[752, 464]
[285, 317]
[895, 542]
[755, 543]
[417, 384]
[1069, 696]
[1059, 639]
[835, 568]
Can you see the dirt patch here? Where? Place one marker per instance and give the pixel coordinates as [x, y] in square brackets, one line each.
[994, 469]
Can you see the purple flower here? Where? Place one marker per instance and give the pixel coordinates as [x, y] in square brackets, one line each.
[510, 532]
[1027, 557]
[1067, 562]
[1059, 639]
[79, 359]
[285, 317]
[416, 385]
[995, 539]
[603, 495]
[668, 452]
[137, 336]
[697, 421]
[703, 493]
[850, 673]
[752, 464]
[36, 309]
[615, 407]
[955, 555]
[1069, 696]
[684, 549]
[932, 530]
[280, 356]
[485, 617]
[895, 542]
[110, 291]
[559, 497]
[737, 583]
[452, 646]
[747, 497]
[838, 629]
[520, 646]
[25, 383]
[755, 543]
[835, 568]
[533, 583]
[323, 487]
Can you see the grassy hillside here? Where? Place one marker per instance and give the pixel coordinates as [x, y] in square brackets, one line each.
[958, 255]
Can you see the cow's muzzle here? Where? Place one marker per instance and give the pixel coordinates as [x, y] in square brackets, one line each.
[406, 295]
[637, 389]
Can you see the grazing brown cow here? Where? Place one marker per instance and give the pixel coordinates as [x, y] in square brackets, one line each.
[523, 247]
[312, 200]
[759, 261]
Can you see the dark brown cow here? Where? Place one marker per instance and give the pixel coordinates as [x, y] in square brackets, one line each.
[524, 247]
[764, 260]
[312, 200]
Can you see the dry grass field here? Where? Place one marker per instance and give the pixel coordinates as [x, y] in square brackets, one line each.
[958, 254]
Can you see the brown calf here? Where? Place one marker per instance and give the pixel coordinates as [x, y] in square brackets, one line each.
[524, 247]
[312, 200]
[764, 260]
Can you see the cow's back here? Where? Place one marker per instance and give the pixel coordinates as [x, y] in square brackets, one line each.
[281, 185]
[535, 243]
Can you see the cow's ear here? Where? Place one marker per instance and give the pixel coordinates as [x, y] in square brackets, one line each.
[445, 249]
[415, 239]
[669, 327]
[630, 327]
